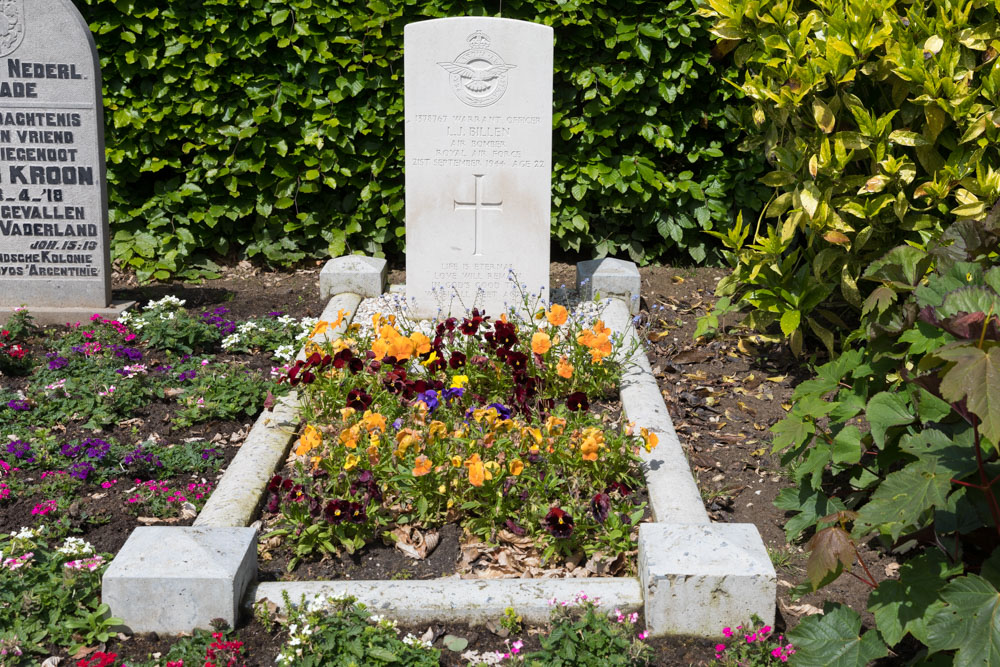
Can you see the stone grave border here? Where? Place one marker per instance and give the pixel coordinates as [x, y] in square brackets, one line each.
[695, 577]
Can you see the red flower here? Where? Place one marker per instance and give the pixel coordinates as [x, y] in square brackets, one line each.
[600, 506]
[559, 523]
[577, 401]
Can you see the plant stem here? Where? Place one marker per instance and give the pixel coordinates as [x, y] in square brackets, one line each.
[871, 580]
[986, 484]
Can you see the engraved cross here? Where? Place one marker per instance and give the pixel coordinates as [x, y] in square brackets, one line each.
[478, 206]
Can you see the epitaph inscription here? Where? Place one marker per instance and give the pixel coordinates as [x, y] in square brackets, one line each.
[478, 115]
[53, 201]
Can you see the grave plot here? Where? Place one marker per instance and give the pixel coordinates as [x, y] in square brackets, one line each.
[495, 423]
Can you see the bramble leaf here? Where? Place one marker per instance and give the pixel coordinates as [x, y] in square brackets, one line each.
[903, 606]
[828, 548]
[833, 640]
[901, 501]
[976, 378]
[886, 410]
[969, 623]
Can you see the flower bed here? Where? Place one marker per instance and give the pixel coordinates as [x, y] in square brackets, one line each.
[498, 425]
[112, 424]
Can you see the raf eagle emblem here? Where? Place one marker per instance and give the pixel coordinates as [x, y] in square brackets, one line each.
[478, 76]
[11, 26]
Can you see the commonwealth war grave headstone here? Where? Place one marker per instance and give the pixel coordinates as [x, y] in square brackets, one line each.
[478, 113]
[54, 252]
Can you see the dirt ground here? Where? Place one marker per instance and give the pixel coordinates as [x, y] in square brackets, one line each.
[723, 395]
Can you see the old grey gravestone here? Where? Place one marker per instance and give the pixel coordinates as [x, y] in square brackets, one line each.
[478, 112]
[54, 254]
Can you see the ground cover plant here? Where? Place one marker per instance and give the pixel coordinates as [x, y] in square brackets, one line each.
[485, 422]
[79, 464]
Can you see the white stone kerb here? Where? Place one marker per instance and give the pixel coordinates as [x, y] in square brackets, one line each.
[673, 494]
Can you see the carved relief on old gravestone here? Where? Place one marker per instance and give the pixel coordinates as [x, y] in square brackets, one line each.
[54, 254]
[478, 110]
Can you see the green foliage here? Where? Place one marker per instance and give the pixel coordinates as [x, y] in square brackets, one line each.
[877, 119]
[582, 636]
[905, 430]
[42, 601]
[833, 639]
[340, 632]
[275, 128]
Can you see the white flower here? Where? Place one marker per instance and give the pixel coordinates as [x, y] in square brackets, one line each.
[75, 546]
[230, 340]
[284, 353]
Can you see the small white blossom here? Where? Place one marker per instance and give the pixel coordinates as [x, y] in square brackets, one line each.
[230, 340]
[75, 546]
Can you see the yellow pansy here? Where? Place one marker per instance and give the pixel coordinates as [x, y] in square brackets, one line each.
[352, 461]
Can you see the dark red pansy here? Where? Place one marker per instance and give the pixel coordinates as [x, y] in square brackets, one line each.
[558, 523]
[337, 511]
[600, 506]
[358, 513]
[274, 484]
[358, 399]
[577, 401]
[457, 360]
[514, 528]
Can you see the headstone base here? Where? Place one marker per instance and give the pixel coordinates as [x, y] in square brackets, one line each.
[70, 315]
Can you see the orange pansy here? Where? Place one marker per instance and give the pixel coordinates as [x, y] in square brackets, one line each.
[564, 369]
[477, 472]
[422, 466]
[421, 343]
[373, 421]
[311, 439]
[649, 440]
[540, 342]
[557, 315]
[515, 467]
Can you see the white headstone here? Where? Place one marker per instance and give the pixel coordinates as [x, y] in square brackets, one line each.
[478, 111]
[54, 252]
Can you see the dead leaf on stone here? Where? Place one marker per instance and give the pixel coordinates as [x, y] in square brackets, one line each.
[413, 543]
[172, 392]
[53, 661]
[134, 421]
[892, 569]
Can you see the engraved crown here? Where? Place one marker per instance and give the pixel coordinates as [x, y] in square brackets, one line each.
[479, 40]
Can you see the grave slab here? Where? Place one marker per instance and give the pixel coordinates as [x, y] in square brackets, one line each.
[175, 579]
[478, 114]
[54, 238]
[699, 578]
[609, 277]
[353, 274]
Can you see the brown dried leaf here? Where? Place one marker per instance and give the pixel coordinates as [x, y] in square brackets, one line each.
[829, 547]
[693, 356]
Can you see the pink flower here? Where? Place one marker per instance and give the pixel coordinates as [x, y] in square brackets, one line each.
[643, 635]
[44, 507]
[108, 485]
[95, 317]
[516, 647]
[751, 638]
[727, 632]
[719, 648]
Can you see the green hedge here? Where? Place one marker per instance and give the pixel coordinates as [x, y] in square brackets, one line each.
[275, 128]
